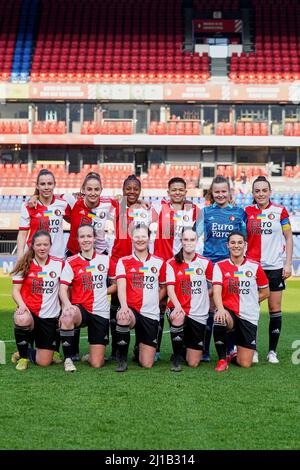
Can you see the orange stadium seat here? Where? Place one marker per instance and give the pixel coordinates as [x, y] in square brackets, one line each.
[148, 54]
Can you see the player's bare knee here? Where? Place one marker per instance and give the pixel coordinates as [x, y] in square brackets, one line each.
[245, 363]
[122, 321]
[96, 364]
[193, 363]
[67, 321]
[24, 320]
[147, 363]
[177, 321]
[43, 362]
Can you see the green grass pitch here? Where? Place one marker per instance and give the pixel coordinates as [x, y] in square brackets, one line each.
[197, 409]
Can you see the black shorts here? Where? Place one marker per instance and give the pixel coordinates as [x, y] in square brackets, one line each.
[45, 332]
[194, 334]
[98, 327]
[246, 332]
[276, 281]
[146, 330]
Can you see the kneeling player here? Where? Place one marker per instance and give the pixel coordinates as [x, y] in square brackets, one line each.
[239, 285]
[87, 273]
[188, 275]
[35, 291]
[141, 281]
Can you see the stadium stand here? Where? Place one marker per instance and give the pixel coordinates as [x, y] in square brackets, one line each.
[14, 127]
[216, 5]
[49, 127]
[114, 41]
[277, 54]
[116, 126]
[8, 35]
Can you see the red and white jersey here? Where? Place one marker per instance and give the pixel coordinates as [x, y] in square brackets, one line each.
[48, 218]
[265, 234]
[126, 219]
[190, 281]
[240, 286]
[167, 242]
[142, 283]
[40, 287]
[80, 214]
[88, 279]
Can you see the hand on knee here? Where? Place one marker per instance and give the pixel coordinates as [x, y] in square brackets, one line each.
[176, 318]
[67, 321]
[23, 319]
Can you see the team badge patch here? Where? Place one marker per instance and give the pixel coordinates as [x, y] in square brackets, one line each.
[231, 218]
[186, 218]
[102, 215]
[101, 267]
[199, 271]
[57, 212]
[271, 216]
[249, 273]
[154, 269]
[52, 274]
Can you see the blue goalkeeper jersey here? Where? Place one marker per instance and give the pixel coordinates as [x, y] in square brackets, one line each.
[217, 224]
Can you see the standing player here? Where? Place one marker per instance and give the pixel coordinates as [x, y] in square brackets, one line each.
[48, 215]
[219, 219]
[141, 280]
[188, 275]
[94, 210]
[87, 273]
[129, 213]
[91, 209]
[239, 285]
[172, 216]
[35, 291]
[268, 225]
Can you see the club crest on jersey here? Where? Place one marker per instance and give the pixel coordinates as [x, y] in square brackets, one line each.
[57, 212]
[271, 216]
[42, 274]
[186, 218]
[249, 273]
[48, 213]
[53, 274]
[102, 215]
[90, 269]
[232, 218]
[199, 271]
[143, 269]
[154, 269]
[101, 267]
[189, 271]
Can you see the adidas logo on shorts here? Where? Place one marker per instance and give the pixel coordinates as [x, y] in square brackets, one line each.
[177, 338]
